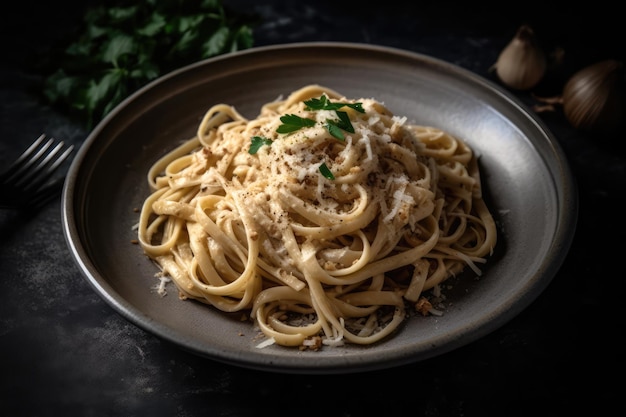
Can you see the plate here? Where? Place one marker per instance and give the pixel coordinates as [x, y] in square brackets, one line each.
[528, 183]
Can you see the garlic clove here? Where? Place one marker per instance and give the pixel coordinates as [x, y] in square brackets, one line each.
[593, 98]
[522, 63]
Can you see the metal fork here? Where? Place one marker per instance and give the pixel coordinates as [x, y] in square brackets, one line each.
[28, 182]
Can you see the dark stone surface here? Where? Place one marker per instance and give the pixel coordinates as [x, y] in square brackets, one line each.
[64, 351]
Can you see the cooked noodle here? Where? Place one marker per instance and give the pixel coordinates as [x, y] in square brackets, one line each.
[322, 238]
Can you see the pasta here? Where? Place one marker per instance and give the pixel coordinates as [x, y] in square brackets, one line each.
[325, 218]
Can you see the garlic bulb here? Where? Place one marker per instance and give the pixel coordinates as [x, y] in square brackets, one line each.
[593, 98]
[522, 63]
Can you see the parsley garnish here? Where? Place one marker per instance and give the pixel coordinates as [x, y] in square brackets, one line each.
[257, 142]
[326, 172]
[292, 122]
[323, 103]
[335, 127]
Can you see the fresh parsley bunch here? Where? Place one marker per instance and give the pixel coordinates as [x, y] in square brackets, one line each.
[126, 44]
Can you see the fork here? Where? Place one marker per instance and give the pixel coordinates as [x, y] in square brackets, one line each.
[28, 182]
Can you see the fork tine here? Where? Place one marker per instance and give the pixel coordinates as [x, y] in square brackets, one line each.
[25, 172]
[60, 159]
[34, 165]
[28, 182]
[34, 177]
[28, 151]
[22, 162]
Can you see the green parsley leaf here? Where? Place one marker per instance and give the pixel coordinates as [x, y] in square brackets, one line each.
[116, 47]
[344, 121]
[317, 103]
[257, 142]
[292, 122]
[356, 106]
[334, 129]
[323, 103]
[216, 43]
[326, 172]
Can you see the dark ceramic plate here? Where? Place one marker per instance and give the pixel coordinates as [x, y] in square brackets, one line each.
[529, 188]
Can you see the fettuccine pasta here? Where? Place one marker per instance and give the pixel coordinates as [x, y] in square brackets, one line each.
[325, 218]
